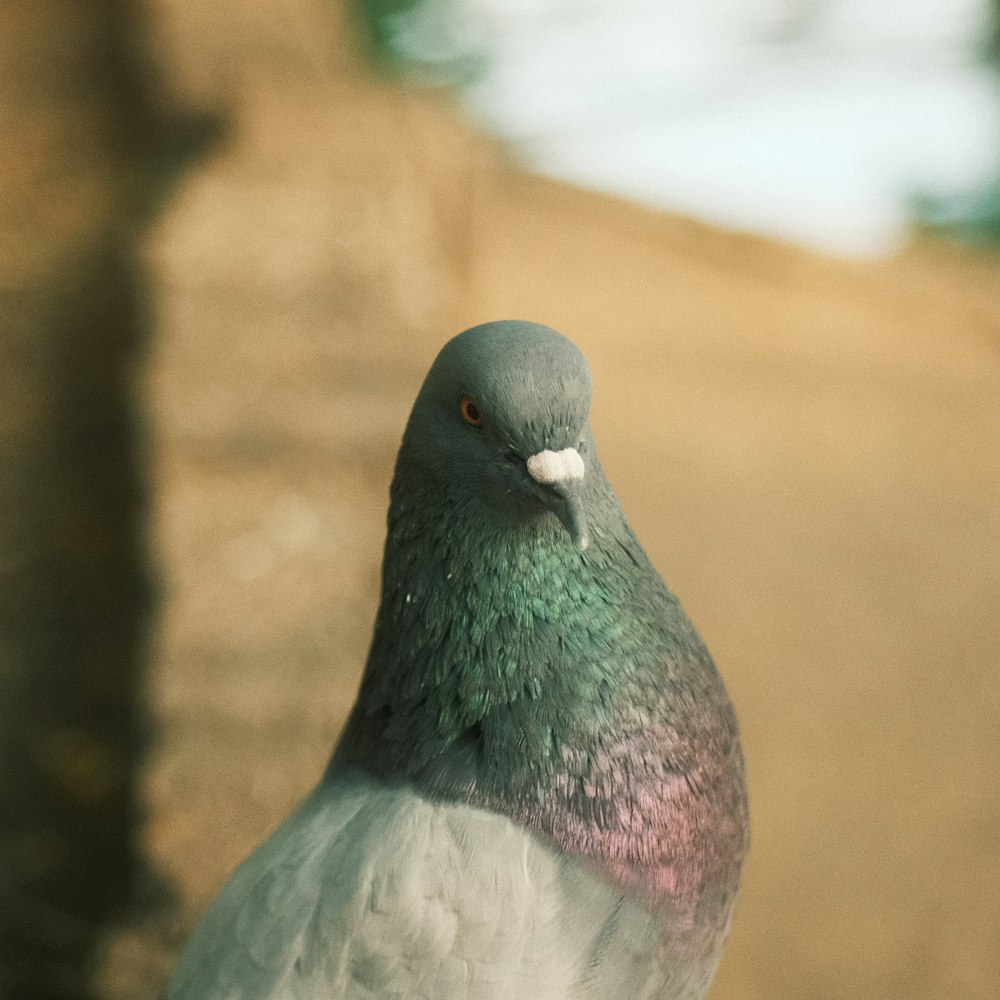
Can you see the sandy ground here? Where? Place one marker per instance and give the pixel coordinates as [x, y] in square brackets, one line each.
[808, 449]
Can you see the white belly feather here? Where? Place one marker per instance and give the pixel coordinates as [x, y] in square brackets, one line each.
[373, 892]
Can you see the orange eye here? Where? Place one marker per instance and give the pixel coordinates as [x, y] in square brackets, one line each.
[471, 413]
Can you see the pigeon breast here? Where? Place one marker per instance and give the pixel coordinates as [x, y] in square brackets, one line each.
[367, 891]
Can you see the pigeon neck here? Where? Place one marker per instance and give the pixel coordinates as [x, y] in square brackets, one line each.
[565, 689]
[486, 624]
[499, 647]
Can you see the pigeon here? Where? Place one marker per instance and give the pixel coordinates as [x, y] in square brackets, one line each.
[539, 793]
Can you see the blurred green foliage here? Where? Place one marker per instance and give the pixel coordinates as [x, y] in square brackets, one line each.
[377, 20]
[968, 216]
[430, 41]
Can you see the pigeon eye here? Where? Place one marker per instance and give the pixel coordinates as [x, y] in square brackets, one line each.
[471, 412]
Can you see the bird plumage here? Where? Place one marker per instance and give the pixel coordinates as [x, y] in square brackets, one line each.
[540, 789]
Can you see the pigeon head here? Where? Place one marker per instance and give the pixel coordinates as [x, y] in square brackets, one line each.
[502, 420]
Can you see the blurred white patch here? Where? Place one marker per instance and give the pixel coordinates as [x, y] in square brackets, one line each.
[814, 122]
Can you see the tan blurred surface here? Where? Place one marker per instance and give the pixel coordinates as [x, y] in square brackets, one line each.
[807, 448]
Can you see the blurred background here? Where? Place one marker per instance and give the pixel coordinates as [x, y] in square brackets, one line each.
[235, 235]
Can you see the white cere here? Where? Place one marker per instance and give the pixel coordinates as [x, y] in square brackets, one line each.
[548, 467]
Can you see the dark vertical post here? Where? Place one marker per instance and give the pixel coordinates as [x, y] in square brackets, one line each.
[76, 179]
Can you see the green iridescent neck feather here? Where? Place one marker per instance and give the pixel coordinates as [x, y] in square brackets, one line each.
[499, 631]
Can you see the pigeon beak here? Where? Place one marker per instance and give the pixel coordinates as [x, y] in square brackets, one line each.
[561, 473]
[569, 509]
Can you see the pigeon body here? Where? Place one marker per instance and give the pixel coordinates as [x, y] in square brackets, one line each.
[540, 791]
